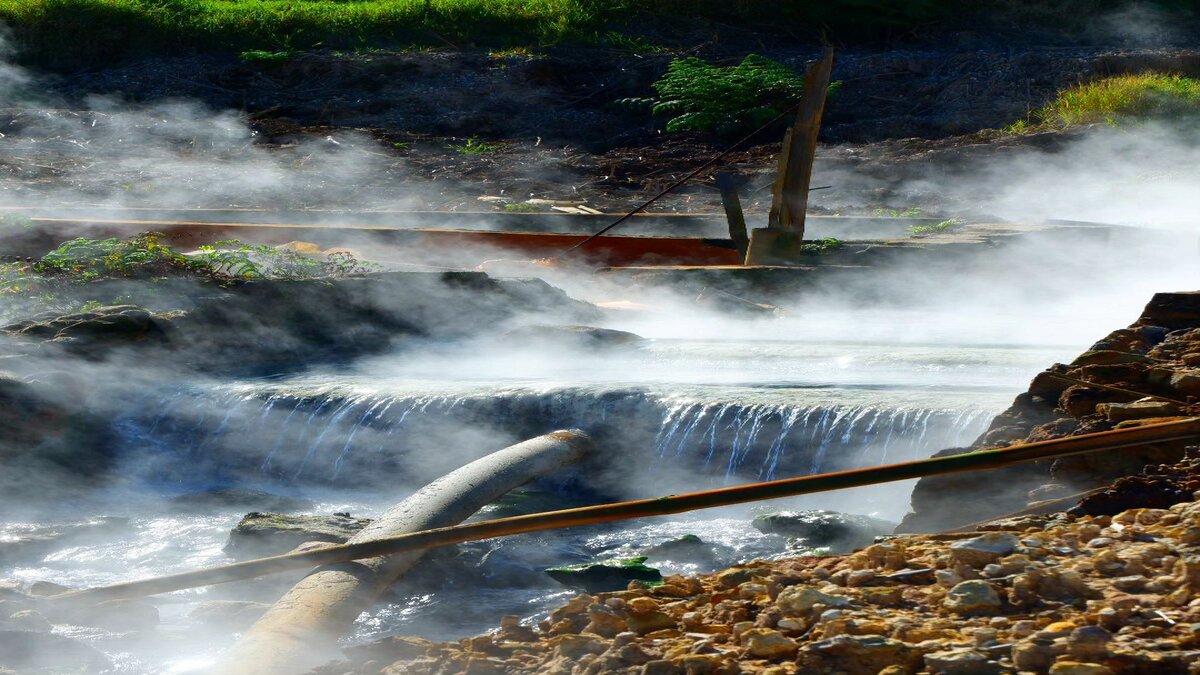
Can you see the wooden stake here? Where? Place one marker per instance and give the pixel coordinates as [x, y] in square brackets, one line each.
[733, 213]
[800, 149]
[642, 508]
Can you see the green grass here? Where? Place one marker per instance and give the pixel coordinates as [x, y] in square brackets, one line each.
[474, 146]
[69, 33]
[936, 228]
[1116, 100]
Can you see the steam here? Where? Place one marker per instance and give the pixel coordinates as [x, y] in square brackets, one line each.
[926, 323]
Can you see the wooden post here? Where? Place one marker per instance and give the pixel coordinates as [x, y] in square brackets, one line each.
[733, 213]
[784, 234]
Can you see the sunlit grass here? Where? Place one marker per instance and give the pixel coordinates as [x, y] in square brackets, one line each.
[1114, 100]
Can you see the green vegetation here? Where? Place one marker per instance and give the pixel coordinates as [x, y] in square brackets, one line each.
[1117, 100]
[264, 56]
[821, 246]
[68, 33]
[913, 212]
[474, 146]
[937, 228]
[52, 281]
[521, 207]
[725, 99]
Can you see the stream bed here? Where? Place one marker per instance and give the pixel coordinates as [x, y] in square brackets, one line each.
[671, 416]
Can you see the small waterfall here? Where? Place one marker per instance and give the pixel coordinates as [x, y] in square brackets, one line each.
[264, 435]
[771, 440]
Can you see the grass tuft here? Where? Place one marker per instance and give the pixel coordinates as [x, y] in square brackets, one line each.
[1116, 100]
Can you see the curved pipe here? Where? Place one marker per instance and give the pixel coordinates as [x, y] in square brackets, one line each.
[301, 630]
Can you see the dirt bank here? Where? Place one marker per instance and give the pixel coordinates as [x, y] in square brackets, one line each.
[550, 123]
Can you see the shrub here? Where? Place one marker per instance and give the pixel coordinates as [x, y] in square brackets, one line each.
[725, 99]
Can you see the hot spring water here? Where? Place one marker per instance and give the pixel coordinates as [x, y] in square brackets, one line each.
[673, 416]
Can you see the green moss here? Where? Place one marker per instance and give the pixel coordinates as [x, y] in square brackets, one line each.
[606, 575]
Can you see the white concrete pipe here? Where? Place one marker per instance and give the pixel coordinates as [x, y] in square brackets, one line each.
[301, 630]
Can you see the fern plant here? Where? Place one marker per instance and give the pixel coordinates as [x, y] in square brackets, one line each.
[725, 99]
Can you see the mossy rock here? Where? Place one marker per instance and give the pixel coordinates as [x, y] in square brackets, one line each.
[816, 528]
[605, 575]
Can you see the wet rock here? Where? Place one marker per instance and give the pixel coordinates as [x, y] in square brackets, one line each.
[1034, 655]
[857, 654]
[233, 615]
[798, 600]
[522, 502]
[45, 589]
[26, 651]
[397, 648]
[979, 551]
[1120, 412]
[1107, 357]
[265, 534]
[1080, 401]
[960, 662]
[972, 598]
[643, 622]
[1186, 382]
[838, 532]
[607, 575]
[239, 498]
[572, 337]
[104, 326]
[765, 643]
[688, 548]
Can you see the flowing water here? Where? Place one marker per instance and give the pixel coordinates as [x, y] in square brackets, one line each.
[670, 416]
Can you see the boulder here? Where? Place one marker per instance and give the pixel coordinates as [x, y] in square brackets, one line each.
[576, 337]
[688, 548]
[838, 532]
[606, 575]
[973, 598]
[799, 600]
[265, 534]
[1120, 412]
[857, 654]
[961, 662]
[984, 549]
[104, 326]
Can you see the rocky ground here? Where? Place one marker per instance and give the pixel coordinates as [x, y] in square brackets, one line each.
[1107, 583]
[1088, 594]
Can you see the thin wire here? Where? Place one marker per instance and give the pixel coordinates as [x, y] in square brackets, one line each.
[681, 181]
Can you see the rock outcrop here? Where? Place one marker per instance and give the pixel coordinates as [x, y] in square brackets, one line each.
[264, 534]
[1154, 362]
